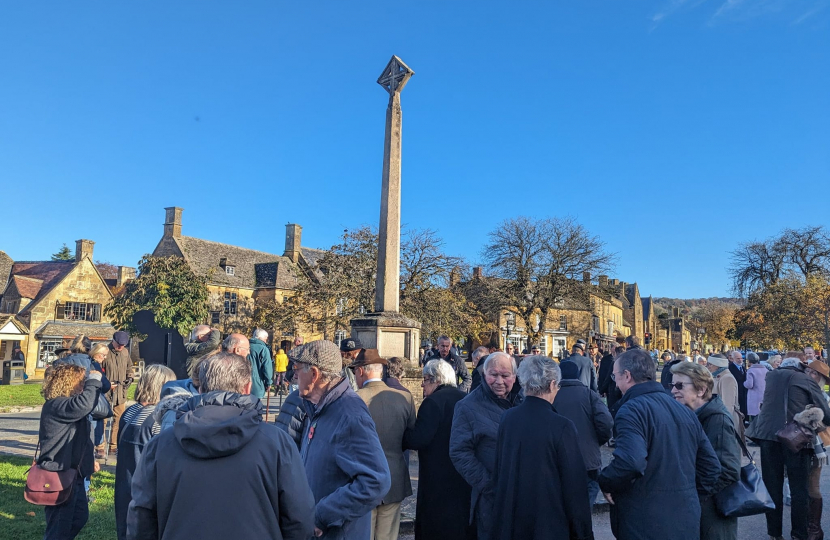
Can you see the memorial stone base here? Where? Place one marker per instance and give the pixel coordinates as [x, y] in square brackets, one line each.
[390, 333]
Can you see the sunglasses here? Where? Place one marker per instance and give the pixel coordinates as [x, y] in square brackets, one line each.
[678, 385]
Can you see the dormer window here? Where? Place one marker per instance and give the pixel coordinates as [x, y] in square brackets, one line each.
[229, 270]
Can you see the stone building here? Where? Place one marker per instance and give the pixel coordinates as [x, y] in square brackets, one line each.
[238, 278]
[45, 304]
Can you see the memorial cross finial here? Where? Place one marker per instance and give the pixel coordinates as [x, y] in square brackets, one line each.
[395, 75]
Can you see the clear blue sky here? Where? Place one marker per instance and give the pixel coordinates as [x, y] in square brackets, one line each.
[672, 129]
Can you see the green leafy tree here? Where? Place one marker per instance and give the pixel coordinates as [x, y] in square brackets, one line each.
[63, 254]
[169, 288]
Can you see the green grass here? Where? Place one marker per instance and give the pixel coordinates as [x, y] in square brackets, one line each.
[28, 395]
[20, 520]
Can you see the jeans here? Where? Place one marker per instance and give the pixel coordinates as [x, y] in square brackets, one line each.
[593, 487]
[774, 458]
[65, 521]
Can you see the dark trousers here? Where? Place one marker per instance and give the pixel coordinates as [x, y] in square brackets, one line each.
[65, 521]
[774, 458]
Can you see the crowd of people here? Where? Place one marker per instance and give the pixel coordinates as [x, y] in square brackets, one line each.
[508, 450]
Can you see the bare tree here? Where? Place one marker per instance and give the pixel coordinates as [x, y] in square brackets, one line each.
[808, 249]
[541, 263]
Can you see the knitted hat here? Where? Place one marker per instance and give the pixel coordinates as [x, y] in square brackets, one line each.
[718, 361]
[569, 370]
[321, 353]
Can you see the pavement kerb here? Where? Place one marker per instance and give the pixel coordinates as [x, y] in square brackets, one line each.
[15, 409]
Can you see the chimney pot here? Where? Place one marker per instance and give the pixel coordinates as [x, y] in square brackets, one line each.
[603, 281]
[83, 249]
[586, 277]
[477, 272]
[173, 222]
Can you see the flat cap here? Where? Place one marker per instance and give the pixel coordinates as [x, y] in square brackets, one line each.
[121, 337]
[350, 344]
[368, 356]
[321, 353]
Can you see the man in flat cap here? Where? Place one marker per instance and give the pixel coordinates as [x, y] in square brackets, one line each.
[393, 412]
[118, 367]
[343, 458]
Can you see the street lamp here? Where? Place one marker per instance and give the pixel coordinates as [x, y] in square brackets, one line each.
[507, 325]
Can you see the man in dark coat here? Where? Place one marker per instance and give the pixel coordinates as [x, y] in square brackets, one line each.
[475, 428]
[118, 367]
[445, 352]
[262, 365]
[788, 392]
[478, 366]
[607, 388]
[221, 469]
[539, 479]
[590, 416]
[443, 505]
[586, 366]
[666, 377]
[738, 370]
[661, 448]
[205, 341]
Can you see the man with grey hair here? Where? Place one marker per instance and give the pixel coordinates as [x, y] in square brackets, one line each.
[343, 458]
[726, 387]
[393, 412]
[474, 433]
[738, 370]
[478, 366]
[552, 501]
[445, 352]
[262, 366]
[204, 340]
[660, 448]
[219, 444]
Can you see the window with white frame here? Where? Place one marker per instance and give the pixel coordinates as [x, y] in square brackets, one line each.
[340, 308]
[230, 270]
[339, 335]
[48, 345]
[230, 303]
[79, 311]
[563, 322]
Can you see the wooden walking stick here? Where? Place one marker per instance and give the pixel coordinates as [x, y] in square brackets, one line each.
[267, 402]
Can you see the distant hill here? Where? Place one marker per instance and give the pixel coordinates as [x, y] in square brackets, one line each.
[690, 307]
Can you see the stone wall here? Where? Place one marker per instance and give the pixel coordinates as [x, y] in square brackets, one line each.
[412, 379]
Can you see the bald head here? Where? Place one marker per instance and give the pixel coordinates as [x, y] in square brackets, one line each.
[237, 344]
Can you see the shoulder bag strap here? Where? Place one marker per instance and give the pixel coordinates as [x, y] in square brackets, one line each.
[744, 447]
[37, 448]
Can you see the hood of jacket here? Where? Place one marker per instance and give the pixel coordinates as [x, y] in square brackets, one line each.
[217, 424]
[712, 407]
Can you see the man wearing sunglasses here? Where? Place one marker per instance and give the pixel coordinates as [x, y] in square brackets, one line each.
[660, 448]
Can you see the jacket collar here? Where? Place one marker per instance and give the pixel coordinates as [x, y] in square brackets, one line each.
[648, 387]
[375, 384]
[334, 393]
[501, 402]
[713, 406]
[571, 382]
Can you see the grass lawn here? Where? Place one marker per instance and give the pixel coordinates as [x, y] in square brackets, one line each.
[28, 395]
[20, 520]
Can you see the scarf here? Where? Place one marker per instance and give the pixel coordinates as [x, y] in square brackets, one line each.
[718, 372]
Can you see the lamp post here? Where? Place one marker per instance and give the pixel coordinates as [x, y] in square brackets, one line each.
[507, 325]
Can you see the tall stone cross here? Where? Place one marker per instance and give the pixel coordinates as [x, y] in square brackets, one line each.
[387, 291]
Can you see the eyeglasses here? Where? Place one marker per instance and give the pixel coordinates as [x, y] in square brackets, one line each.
[678, 385]
[614, 374]
[429, 379]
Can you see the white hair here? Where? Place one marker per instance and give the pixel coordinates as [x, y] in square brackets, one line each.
[495, 356]
[441, 372]
[536, 373]
[260, 334]
[373, 369]
[200, 330]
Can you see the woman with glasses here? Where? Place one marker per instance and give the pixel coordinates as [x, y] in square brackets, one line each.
[443, 504]
[692, 386]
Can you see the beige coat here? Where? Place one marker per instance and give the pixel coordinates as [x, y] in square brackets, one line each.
[393, 412]
[727, 388]
[118, 367]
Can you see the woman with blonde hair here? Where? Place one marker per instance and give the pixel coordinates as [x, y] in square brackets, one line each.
[136, 428]
[692, 386]
[64, 441]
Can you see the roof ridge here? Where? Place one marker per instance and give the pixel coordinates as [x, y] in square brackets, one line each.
[233, 246]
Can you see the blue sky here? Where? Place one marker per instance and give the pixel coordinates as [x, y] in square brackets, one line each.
[672, 129]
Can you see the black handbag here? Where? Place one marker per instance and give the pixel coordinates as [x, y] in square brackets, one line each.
[102, 409]
[793, 436]
[746, 497]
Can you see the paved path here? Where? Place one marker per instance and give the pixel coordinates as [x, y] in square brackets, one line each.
[18, 435]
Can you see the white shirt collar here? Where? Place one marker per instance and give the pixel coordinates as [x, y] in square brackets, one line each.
[372, 380]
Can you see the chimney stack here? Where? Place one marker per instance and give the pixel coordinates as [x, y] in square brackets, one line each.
[603, 281]
[477, 272]
[293, 241]
[125, 274]
[83, 249]
[586, 277]
[173, 222]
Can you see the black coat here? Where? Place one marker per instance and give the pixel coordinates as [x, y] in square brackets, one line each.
[64, 431]
[606, 366]
[219, 473]
[443, 505]
[789, 384]
[740, 377]
[661, 454]
[590, 416]
[135, 429]
[291, 418]
[540, 481]
[720, 430]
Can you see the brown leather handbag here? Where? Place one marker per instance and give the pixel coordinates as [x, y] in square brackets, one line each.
[48, 488]
[794, 436]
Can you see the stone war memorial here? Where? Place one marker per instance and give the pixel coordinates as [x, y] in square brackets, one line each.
[386, 329]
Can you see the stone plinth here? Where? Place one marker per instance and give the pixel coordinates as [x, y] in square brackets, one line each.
[390, 333]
